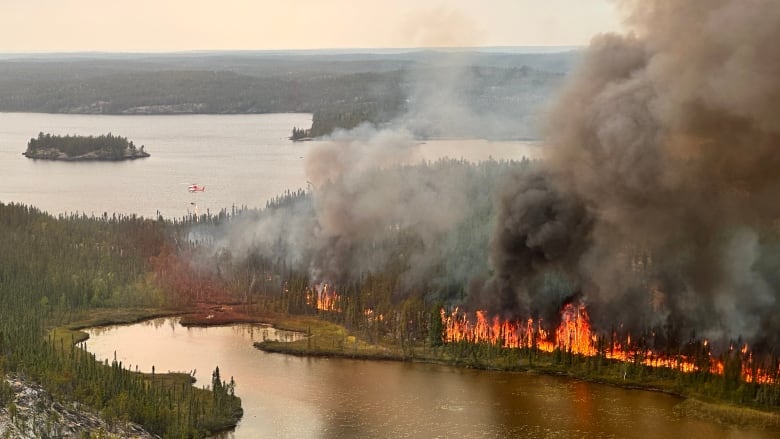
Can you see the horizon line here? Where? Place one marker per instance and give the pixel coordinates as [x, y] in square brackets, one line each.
[530, 49]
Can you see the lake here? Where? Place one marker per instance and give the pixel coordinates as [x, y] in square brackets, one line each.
[293, 397]
[242, 160]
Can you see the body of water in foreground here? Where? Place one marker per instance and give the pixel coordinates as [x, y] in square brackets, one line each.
[242, 160]
[293, 397]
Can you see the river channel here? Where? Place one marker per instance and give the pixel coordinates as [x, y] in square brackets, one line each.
[292, 397]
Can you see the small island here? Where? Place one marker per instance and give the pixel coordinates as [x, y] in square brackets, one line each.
[80, 148]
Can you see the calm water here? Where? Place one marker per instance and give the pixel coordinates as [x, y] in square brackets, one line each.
[285, 396]
[243, 160]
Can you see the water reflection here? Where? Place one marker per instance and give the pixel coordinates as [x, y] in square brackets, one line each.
[285, 396]
[243, 160]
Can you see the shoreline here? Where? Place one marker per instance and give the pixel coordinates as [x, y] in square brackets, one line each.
[75, 332]
[719, 412]
[57, 156]
[325, 333]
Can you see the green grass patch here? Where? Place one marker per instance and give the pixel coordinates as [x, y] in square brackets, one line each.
[324, 339]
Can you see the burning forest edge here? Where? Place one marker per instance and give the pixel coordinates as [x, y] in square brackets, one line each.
[571, 349]
[647, 238]
[398, 297]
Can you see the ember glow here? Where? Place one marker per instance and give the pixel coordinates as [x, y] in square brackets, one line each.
[574, 335]
[323, 297]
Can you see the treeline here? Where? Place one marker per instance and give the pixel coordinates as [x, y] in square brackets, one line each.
[115, 147]
[342, 93]
[410, 326]
[300, 133]
[704, 383]
[54, 271]
[207, 92]
[326, 120]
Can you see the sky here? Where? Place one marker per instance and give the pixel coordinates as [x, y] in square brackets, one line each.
[184, 25]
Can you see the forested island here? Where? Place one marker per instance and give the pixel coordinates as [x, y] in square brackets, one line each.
[106, 147]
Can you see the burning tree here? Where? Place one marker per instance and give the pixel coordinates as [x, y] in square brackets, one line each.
[575, 336]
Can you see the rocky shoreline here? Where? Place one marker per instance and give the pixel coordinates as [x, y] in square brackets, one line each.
[32, 412]
[102, 155]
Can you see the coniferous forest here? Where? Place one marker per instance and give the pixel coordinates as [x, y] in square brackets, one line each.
[55, 271]
[391, 296]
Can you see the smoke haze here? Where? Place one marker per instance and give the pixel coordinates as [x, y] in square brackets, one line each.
[668, 137]
[656, 205]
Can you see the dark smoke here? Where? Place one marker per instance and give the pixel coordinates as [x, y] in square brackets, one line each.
[538, 231]
[663, 176]
[656, 205]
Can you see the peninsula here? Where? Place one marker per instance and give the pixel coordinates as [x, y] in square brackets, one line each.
[106, 147]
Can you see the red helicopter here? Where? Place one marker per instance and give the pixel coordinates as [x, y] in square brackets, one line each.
[196, 188]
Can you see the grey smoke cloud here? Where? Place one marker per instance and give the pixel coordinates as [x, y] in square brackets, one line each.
[668, 138]
[656, 204]
[375, 206]
[370, 188]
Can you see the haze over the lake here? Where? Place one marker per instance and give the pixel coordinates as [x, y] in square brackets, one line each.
[182, 25]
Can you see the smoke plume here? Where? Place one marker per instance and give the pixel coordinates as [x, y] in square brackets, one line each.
[656, 203]
[663, 175]
[375, 206]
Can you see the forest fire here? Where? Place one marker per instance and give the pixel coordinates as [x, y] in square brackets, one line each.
[574, 335]
[323, 297]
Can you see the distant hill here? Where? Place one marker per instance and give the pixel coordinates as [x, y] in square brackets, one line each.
[340, 89]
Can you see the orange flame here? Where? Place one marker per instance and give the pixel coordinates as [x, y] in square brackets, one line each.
[324, 298]
[574, 335]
